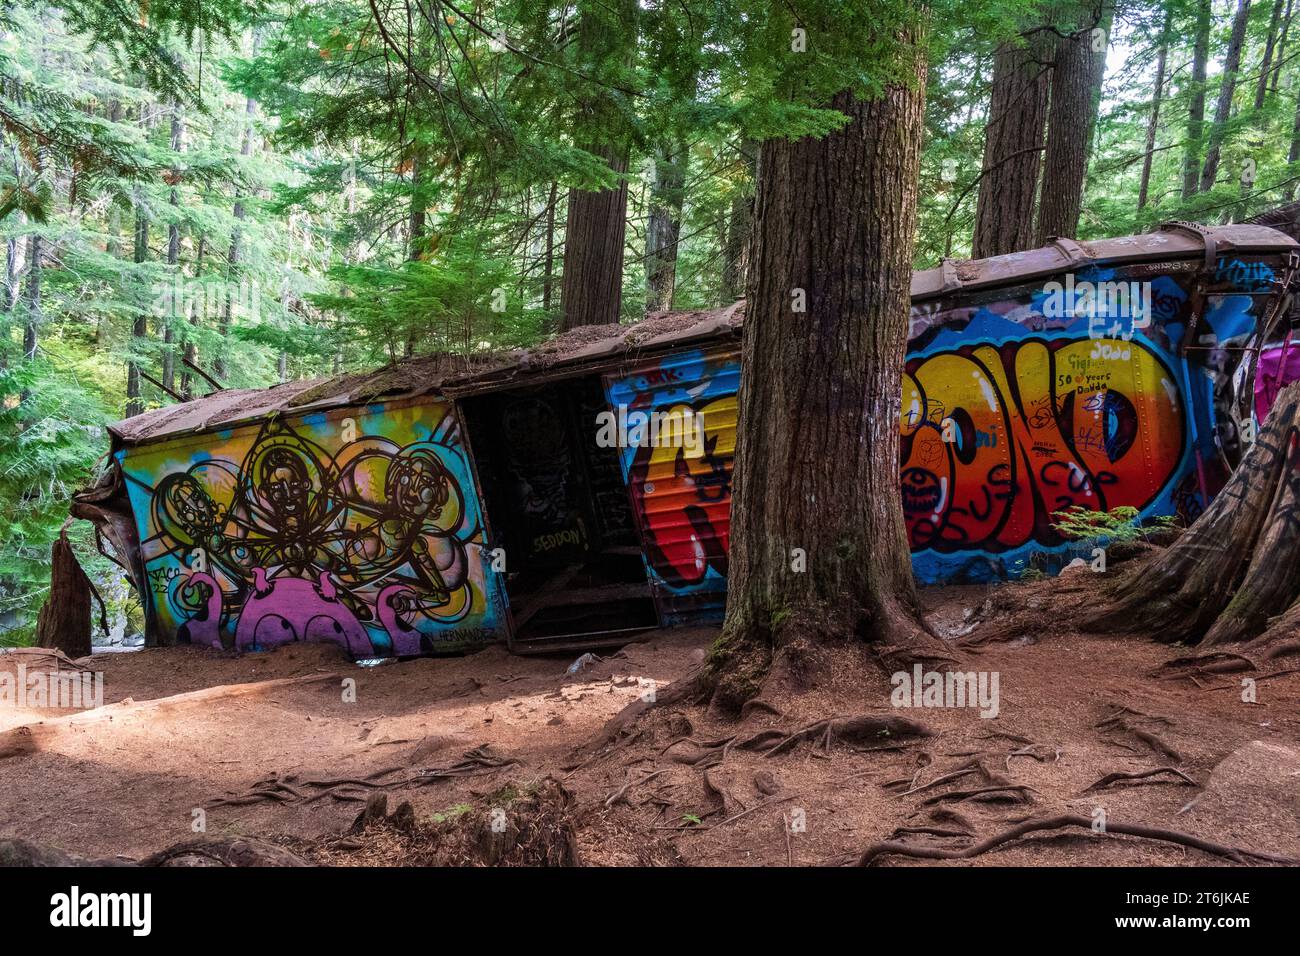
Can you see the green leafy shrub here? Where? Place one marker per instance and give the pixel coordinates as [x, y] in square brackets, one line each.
[1114, 526]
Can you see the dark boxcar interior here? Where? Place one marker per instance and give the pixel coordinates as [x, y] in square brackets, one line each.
[556, 502]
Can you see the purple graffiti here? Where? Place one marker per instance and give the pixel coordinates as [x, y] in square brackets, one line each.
[294, 609]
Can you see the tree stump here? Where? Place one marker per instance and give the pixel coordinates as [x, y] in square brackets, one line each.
[64, 621]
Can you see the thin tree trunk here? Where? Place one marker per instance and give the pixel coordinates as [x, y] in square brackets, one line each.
[190, 352]
[1265, 67]
[1013, 148]
[1196, 105]
[664, 227]
[1293, 154]
[1281, 49]
[548, 267]
[416, 237]
[14, 261]
[140, 324]
[821, 379]
[221, 366]
[740, 229]
[1154, 122]
[1223, 108]
[32, 295]
[173, 247]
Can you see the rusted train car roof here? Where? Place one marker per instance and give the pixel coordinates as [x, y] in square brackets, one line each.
[594, 347]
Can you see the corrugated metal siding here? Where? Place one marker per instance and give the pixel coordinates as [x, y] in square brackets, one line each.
[681, 491]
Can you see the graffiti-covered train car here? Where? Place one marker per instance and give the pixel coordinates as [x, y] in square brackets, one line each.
[580, 493]
[360, 526]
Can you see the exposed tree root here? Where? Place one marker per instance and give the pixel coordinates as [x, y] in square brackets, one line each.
[727, 803]
[1032, 751]
[621, 793]
[1119, 775]
[973, 767]
[1013, 792]
[1123, 723]
[1057, 822]
[287, 789]
[230, 851]
[864, 728]
[763, 654]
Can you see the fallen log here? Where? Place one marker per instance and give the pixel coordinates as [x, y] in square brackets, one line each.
[30, 738]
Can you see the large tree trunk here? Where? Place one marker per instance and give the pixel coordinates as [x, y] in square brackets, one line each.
[1234, 575]
[816, 477]
[1153, 123]
[1013, 147]
[591, 289]
[1222, 109]
[1076, 81]
[1196, 105]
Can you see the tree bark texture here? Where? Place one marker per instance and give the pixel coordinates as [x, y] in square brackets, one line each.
[1076, 78]
[664, 227]
[1196, 104]
[1013, 148]
[64, 620]
[591, 288]
[816, 476]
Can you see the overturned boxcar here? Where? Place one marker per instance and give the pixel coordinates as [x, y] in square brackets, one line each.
[439, 504]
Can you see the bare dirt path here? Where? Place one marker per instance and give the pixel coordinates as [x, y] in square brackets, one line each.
[130, 784]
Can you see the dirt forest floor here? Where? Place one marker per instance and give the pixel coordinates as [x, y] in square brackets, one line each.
[488, 739]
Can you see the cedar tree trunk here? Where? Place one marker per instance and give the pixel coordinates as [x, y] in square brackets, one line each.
[1076, 78]
[591, 289]
[1013, 149]
[816, 477]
